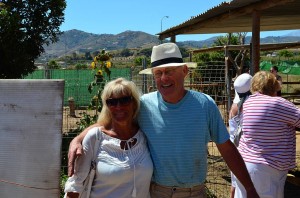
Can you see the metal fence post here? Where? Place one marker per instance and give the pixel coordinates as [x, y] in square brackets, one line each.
[144, 64]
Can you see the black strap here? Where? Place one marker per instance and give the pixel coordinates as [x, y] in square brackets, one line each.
[166, 61]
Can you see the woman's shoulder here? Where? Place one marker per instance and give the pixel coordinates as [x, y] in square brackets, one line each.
[93, 133]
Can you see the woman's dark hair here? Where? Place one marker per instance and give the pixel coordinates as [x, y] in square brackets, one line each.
[275, 68]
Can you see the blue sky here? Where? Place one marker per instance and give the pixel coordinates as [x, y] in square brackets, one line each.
[117, 16]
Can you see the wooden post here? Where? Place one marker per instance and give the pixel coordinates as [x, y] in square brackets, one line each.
[227, 81]
[173, 39]
[255, 41]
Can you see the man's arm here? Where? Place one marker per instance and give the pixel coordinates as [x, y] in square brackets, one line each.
[75, 149]
[237, 165]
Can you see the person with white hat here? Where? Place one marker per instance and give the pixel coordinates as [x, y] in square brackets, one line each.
[178, 124]
[242, 90]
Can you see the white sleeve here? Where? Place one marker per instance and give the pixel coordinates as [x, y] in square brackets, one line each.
[236, 97]
[82, 163]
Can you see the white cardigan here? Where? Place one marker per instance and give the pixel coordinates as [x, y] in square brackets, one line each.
[119, 171]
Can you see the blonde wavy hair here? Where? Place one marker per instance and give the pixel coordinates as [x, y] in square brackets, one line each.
[119, 87]
[265, 83]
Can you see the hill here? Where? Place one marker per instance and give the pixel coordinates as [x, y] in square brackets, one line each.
[81, 42]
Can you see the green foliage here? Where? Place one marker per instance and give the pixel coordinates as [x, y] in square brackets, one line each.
[63, 179]
[126, 52]
[81, 66]
[101, 62]
[184, 52]
[145, 52]
[88, 56]
[138, 61]
[86, 121]
[25, 26]
[53, 65]
[285, 53]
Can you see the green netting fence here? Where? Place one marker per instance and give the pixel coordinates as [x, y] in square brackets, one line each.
[77, 82]
[285, 67]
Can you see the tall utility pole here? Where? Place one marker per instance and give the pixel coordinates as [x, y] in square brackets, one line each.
[161, 23]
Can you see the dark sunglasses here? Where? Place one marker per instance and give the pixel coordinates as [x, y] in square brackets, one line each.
[121, 101]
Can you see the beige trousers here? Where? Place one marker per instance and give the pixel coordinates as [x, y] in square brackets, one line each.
[159, 191]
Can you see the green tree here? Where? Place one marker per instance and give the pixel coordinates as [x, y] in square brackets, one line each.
[88, 56]
[126, 52]
[53, 65]
[81, 66]
[138, 61]
[285, 53]
[145, 52]
[25, 26]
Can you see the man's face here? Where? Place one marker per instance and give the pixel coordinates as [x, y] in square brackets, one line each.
[170, 82]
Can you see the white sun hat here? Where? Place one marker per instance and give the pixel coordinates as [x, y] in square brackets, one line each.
[166, 55]
[242, 83]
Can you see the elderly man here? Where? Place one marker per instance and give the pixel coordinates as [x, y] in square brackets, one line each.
[178, 124]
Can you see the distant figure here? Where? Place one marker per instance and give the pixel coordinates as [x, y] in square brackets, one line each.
[274, 70]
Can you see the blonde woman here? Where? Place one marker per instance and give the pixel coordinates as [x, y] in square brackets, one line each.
[124, 167]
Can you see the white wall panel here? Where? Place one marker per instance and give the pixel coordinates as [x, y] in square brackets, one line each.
[30, 138]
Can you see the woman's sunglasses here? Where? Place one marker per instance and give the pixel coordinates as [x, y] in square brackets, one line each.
[121, 101]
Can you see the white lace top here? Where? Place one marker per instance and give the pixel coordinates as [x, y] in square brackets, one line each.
[119, 171]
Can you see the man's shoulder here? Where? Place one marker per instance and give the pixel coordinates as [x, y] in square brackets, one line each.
[200, 95]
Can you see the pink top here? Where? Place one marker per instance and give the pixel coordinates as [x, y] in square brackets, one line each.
[269, 131]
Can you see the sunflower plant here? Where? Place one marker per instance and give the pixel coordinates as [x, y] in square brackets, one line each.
[101, 64]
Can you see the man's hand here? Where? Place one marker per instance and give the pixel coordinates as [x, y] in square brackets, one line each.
[75, 150]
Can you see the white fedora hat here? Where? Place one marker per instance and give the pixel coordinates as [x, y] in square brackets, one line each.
[166, 55]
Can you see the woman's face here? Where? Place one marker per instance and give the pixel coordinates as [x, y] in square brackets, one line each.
[121, 108]
[273, 71]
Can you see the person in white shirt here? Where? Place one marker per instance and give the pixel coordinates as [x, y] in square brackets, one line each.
[242, 92]
[124, 166]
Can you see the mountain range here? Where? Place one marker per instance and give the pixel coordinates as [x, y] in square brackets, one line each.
[80, 42]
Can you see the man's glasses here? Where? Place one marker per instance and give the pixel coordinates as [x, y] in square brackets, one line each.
[168, 72]
[121, 101]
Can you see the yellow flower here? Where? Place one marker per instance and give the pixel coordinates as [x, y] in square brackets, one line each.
[95, 59]
[93, 65]
[99, 72]
[108, 64]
